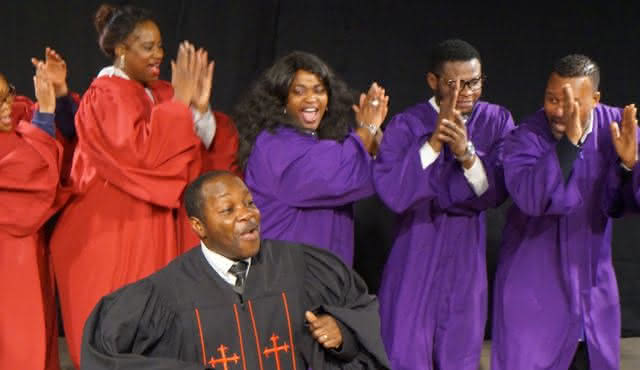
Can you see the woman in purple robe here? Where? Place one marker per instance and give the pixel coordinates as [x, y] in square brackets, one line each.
[307, 157]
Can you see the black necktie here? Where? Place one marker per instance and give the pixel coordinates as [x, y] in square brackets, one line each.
[239, 269]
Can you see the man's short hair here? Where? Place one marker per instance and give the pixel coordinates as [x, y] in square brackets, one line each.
[453, 50]
[578, 65]
[194, 199]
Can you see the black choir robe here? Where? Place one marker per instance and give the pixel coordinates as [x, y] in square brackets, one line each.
[186, 316]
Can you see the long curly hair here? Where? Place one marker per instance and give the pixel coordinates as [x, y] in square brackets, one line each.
[263, 107]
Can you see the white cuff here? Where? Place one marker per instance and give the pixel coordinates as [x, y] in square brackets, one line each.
[204, 124]
[477, 177]
[427, 155]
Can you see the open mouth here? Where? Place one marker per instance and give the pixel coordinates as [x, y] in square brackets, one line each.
[310, 115]
[251, 233]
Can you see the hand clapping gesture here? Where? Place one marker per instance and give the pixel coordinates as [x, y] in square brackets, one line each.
[451, 129]
[45, 91]
[55, 71]
[625, 138]
[370, 113]
[203, 88]
[192, 76]
[571, 116]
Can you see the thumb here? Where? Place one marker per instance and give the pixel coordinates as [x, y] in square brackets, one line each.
[310, 316]
[615, 130]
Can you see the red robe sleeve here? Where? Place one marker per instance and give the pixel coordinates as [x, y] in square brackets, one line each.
[222, 151]
[147, 150]
[29, 175]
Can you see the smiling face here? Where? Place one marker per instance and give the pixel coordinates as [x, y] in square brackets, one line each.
[143, 53]
[307, 100]
[470, 75]
[231, 221]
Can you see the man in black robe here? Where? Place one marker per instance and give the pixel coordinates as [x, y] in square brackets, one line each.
[236, 302]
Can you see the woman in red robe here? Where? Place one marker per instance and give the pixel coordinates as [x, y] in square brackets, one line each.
[140, 141]
[30, 160]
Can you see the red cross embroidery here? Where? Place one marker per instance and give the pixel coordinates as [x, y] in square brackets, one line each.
[223, 358]
[275, 349]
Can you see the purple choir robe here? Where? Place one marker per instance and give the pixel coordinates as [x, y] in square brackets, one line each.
[305, 187]
[434, 289]
[555, 281]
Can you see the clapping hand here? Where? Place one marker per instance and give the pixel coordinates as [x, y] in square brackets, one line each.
[54, 70]
[625, 138]
[373, 107]
[202, 93]
[45, 92]
[447, 112]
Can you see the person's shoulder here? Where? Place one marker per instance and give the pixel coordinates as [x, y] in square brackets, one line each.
[413, 121]
[604, 110]
[421, 111]
[533, 127]
[492, 108]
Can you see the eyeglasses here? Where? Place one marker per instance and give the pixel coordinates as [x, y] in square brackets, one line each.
[474, 84]
[9, 95]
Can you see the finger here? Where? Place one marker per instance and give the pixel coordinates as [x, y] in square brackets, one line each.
[458, 119]
[454, 95]
[445, 138]
[363, 97]
[310, 317]
[210, 71]
[615, 131]
[36, 61]
[447, 131]
[180, 57]
[568, 97]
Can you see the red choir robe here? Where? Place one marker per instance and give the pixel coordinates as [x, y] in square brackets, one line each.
[133, 159]
[30, 161]
[221, 155]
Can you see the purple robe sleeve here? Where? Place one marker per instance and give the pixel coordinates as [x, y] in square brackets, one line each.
[533, 174]
[400, 180]
[459, 195]
[310, 173]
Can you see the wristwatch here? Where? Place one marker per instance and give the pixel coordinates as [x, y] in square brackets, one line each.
[469, 153]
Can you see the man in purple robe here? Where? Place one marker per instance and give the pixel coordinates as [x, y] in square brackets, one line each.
[439, 167]
[567, 169]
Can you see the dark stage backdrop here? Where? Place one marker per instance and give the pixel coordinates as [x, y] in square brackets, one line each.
[385, 41]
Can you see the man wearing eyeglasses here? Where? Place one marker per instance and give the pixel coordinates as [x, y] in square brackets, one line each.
[439, 167]
[568, 170]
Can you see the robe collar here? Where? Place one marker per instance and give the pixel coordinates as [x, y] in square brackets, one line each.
[221, 264]
[111, 71]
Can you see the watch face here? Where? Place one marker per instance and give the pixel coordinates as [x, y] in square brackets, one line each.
[470, 148]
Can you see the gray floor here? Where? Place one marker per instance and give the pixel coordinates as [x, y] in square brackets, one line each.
[629, 348]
